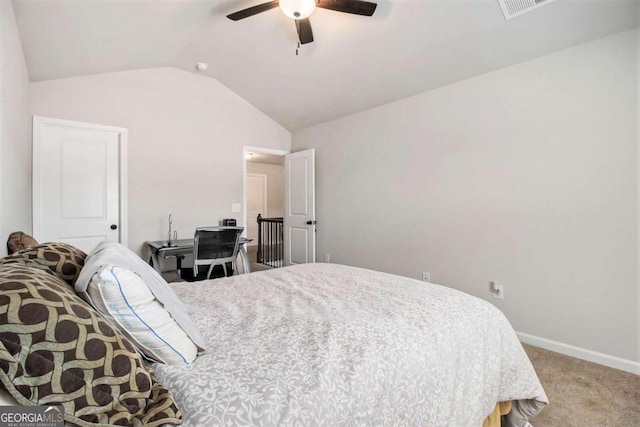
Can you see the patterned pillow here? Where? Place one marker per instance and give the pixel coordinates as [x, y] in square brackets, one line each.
[18, 241]
[60, 259]
[56, 350]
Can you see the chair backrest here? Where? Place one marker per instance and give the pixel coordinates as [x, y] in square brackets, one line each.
[215, 244]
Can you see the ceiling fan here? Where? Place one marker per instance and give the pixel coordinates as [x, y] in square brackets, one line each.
[300, 10]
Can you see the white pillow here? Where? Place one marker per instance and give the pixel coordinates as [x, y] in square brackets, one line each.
[124, 299]
[6, 399]
[109, 253]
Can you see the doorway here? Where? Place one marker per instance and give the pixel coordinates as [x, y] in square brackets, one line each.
[263, 195]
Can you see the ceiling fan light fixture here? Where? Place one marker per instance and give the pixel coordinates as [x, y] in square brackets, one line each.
[297, 9]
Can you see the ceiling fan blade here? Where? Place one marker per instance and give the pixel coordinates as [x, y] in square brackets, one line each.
[357, 7]
[254, 10]
[305, 34]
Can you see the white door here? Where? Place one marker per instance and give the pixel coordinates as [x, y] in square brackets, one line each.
[256, 203]
[78, 182]
[300, 208]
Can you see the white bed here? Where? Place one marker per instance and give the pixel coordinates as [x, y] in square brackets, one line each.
[325, 344]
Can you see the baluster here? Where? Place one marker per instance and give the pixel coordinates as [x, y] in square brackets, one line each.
[259, 254]
[270, 254]
[270, 241]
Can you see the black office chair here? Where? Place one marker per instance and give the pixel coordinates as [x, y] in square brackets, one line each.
[214, 246]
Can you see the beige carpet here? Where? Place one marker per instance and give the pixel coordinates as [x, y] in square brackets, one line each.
[252, 251]
[584, 394]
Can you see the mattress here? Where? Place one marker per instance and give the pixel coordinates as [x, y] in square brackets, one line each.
[326, 344]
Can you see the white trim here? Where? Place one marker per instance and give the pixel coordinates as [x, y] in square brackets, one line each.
[245, 150]
[35, 176]
[122, 170]
[581, 353]
[260, 150]
[122, 167]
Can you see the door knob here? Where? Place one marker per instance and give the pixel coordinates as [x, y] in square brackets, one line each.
[312, 222]
[114, 227]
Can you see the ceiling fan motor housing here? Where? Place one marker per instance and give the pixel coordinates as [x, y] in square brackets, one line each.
[297, 9]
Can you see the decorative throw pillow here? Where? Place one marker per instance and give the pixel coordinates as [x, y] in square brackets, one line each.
[61, 259]
[56, 350]
[18, 241]
[109, 253]
[126, 301]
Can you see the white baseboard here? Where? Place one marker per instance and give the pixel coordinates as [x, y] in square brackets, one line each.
[581, 353]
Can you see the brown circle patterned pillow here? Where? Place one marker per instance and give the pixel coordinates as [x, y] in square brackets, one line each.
[19, 240]
[56, 350]
[60, 259]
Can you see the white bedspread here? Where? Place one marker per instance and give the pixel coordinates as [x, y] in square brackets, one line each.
[325, 344]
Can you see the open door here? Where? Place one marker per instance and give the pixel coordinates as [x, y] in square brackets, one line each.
[300, 208]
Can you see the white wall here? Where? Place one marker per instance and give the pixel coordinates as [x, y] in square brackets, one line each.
[527, 176]
[275, 186]
[186, 138]
[15, 131]
[638, 180]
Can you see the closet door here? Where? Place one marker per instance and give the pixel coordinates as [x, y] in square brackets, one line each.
[78, 182]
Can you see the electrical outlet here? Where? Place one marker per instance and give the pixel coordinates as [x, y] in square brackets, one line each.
[497, 290]
[326, 258]
[426, 276]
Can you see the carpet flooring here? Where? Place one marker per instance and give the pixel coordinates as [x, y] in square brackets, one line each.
[584, 394]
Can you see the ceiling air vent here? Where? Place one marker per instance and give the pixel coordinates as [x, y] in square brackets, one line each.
[513, 8]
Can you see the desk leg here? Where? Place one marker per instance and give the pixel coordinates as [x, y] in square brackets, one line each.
[155, 262]
[246, 265]
[179, 259]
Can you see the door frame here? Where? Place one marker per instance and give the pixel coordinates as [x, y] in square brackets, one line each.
[246, 149]
[122, 169]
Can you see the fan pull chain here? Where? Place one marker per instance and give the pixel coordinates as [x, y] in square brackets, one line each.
[297, 48]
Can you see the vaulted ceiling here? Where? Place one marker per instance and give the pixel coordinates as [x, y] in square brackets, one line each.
[355, 63]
